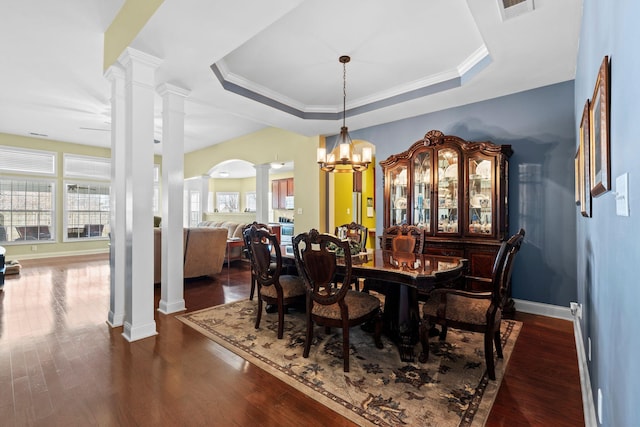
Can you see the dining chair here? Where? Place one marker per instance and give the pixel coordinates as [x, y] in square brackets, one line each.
[357, 235]
[354, 232]
[247, 252]
[474, 311]
[330, 301]
[273, 288]
[403, 238]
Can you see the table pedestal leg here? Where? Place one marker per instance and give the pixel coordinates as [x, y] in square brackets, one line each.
[401, 319]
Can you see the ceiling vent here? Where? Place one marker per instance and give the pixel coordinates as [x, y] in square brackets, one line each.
[512, 8]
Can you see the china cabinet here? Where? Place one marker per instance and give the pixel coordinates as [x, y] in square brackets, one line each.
[457, 191]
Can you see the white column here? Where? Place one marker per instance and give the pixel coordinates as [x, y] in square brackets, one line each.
[140, 68]
[172, 287]
[117, 248]
[262, 193]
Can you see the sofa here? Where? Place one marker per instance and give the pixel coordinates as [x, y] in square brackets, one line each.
[234, 232]
[203, 247]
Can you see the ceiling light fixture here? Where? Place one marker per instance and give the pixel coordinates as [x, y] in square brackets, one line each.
[348, 160]
[276, 165]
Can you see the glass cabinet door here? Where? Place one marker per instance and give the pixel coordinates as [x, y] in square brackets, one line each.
[448, 190]
[422, 190]
[398, 195]
[481, 208]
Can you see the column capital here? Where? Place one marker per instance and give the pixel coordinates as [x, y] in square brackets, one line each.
[130, 55]
[114, 72]
[168, 88]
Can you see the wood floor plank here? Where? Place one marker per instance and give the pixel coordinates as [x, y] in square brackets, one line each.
[61, 364]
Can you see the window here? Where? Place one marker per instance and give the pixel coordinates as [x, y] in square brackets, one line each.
[250, 201]
[26, 210]
[86, 203]
[194, 208]
[228, 201]
[87, 210]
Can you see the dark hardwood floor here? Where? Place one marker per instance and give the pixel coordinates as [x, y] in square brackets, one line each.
[62, 365]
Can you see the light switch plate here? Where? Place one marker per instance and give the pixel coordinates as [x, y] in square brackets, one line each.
[622, 195]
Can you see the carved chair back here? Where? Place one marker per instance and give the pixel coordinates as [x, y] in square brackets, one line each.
[353, 231]
[403, 238]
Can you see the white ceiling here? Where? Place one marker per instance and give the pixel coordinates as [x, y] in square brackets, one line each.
[411, 58]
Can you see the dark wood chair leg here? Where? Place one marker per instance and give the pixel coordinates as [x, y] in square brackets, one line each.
[345, 343]
[498, 343]
[443, 333]
[253, 286]
[488, 355]
[378, 330]
[259, 314]
[281, 310]
[309, 337]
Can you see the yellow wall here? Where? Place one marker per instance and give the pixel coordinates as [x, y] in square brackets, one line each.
[262, 147]
[131, 18]
[343, 195]
[343, 199]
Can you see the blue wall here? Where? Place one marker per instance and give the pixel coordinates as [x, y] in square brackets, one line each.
[540, 126]
[607, 244]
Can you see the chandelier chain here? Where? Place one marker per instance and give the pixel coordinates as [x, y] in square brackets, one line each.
[344, 94]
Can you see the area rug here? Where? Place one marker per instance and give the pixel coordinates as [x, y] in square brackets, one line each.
[451, 389]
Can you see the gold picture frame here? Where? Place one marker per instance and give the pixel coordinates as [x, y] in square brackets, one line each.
[585, 129]
[578, 178]
[600, 164]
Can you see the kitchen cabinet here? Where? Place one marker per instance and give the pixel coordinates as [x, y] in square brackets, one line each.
[280, 190]
[457, 191]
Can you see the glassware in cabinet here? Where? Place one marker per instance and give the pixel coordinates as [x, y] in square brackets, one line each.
[422, 190]
[480, 190]
[448, 190]
[398, 195]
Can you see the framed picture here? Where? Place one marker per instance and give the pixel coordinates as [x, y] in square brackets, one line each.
[585, 194]
[599, 166]
[578, 178]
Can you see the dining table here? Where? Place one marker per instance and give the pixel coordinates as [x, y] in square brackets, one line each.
[402, 277]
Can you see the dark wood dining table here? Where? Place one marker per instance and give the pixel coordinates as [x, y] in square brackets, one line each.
[401, 277]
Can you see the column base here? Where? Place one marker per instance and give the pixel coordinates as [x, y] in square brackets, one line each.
[165, 307]
[132, 333]
[115, 319]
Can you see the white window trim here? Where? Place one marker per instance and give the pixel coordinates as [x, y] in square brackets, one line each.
[65, 223]
[52, 226]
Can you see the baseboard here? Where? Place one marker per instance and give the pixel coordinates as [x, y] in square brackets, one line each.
[43, 255]
[588, 405]
[543, 309]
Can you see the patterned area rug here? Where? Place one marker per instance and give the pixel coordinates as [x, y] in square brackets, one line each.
[451, 389]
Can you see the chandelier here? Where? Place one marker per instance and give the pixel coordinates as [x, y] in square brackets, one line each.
[348, 159]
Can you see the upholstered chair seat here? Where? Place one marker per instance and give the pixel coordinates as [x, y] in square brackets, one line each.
[292, 286]
[459, 308]
[359, 303]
